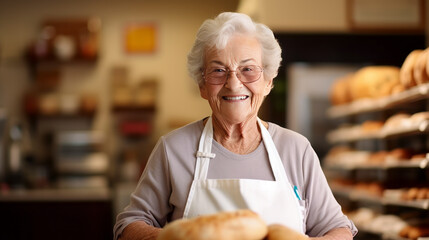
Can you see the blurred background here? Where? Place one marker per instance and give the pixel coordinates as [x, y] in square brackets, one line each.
[88, 87]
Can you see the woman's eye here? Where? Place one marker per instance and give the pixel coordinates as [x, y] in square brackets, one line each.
[219, 70]
[247, 69]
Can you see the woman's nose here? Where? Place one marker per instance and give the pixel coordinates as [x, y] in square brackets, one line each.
[233, 80]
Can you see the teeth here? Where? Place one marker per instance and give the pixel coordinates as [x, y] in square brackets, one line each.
[235, 98]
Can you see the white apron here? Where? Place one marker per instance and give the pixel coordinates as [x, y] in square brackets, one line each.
[275, 201]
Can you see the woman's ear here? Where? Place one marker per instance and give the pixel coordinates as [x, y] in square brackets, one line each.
[203, 91]
[268, 87]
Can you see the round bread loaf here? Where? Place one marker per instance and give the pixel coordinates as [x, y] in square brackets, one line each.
[237, 225]
[280, 232]
[419, 117]
[371, 126]
[396, 121]
[340, 90]
[422, 194]
[378, 157]
[420, 72]
[374, 82]
[407, 69]
[397, 89]
[412, 193]
[400, 154]
[418, 232]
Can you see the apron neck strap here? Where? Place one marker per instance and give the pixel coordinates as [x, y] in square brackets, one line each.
[204, 153]
[273, 155]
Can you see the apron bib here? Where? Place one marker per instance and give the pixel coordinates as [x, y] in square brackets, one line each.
[274, 201]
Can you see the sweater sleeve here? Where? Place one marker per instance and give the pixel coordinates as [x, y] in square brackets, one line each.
[323, 211]
[149, 202]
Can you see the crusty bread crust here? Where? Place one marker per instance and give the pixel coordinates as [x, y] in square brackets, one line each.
[374, 82]
[237, 225]
[407, 69]
[420, 74]
[280, 232]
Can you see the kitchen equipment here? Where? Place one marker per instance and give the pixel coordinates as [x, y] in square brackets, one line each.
[80, 160]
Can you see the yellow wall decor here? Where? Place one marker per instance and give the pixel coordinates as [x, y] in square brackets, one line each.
[140, 38]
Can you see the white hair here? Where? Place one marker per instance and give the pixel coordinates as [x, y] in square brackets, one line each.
[217, 32]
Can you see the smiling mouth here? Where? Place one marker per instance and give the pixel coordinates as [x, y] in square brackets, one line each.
[235, 98]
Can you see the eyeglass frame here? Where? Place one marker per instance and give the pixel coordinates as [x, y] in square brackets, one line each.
[228, 71]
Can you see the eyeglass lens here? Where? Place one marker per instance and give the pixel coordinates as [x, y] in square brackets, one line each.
[219, 75]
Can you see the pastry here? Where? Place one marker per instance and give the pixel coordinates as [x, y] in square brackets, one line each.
[340, 90]
[280, 232]
[420, 72]
[237, 225]
[371, 126]
[396, 121]
[419, 117]
[374, 82]
[407, 69]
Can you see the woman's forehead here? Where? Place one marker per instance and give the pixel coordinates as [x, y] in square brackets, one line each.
[239, 49]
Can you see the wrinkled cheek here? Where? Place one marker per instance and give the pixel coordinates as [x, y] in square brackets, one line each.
[214, 103]
[257, 102]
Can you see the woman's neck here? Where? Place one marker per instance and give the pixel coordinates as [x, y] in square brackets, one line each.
[240, 138]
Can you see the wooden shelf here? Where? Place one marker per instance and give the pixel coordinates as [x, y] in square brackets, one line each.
[352, 133]
[364, 197]
[133, 108]
[423, 164]
[56, 194]
[372, 105]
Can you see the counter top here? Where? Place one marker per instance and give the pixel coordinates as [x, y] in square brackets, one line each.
[58, 194]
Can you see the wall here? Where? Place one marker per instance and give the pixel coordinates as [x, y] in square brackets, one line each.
[304, 15]
[307, 15]
[177, 23]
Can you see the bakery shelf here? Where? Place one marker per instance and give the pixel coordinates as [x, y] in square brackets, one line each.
[56, 194]
[394, 197]
[419, 204]
[371, 105]
[388, 236]
[421, 163]
[350, 134]
[386, 199]
[392, 237]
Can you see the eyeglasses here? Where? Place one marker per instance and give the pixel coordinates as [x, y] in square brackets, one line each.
[219, 75]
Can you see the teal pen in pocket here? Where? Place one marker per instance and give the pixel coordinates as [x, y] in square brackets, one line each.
[295, 189]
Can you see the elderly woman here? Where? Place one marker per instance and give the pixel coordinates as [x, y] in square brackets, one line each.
[232, 159]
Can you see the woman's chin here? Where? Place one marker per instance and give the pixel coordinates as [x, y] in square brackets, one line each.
[233, 118]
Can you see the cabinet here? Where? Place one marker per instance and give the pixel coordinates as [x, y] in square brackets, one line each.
[60, 110]
[382, 192]
[133, 110]
[56, 214]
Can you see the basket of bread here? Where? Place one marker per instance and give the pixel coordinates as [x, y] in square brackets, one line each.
[236, 225]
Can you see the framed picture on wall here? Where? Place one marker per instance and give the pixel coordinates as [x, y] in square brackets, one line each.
[140, 38]
[386, 15]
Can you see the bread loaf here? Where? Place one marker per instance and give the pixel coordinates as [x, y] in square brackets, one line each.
[280, 232]
[414, 232]
[407, 69]
[396, 121]
[420, 72]
[371, 126]
[399, 154]
[419, 117]
[378, 157]
[340, 90]
[237, 225]
[374, 82]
